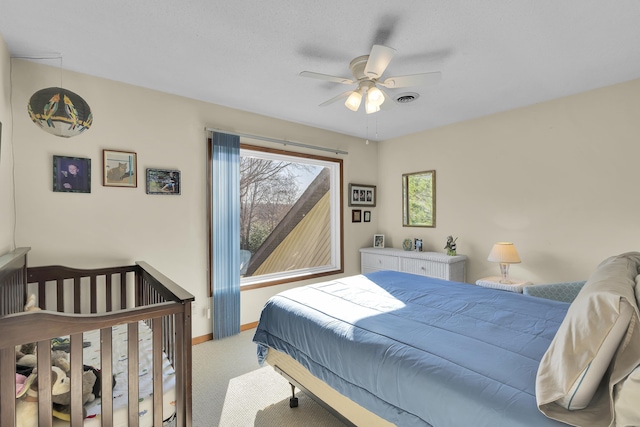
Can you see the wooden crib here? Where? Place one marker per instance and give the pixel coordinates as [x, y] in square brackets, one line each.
[74, 302]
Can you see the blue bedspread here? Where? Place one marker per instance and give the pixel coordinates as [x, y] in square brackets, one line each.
[418, 351]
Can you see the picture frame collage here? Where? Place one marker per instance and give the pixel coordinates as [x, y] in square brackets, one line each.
[361, 195]
[119, 169]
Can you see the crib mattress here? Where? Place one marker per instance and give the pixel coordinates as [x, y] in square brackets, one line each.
[91, 355]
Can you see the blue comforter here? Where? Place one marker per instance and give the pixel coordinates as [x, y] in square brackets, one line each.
[418, 351]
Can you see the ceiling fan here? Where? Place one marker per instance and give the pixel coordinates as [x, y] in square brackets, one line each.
[367, 71]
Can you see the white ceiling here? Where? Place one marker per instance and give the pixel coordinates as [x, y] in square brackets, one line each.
[494, 55]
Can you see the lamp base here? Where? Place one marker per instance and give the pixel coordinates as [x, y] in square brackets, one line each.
[504, 272]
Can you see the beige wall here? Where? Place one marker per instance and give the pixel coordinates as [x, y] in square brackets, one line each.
[6, 179]
[559, 179]
[112, 226]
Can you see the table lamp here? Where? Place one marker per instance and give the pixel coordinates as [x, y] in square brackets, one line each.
[504, 253]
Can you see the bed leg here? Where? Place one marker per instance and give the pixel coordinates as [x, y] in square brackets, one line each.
[293, 402]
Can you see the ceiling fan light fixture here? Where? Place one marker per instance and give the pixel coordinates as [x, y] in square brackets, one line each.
[371, 108]
[353, 101]
[375, 96]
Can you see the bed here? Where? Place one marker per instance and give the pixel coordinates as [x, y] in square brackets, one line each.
[391, 348]
[125, 322]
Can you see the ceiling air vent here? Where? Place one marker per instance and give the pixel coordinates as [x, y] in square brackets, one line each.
[405, 98]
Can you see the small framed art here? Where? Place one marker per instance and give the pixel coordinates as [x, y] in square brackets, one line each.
[163, 181]
[367, 216]
[71, 174]
[378, 240]
[119, 169]
[362, 195]
[356, 215]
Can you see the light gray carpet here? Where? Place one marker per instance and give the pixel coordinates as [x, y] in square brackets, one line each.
[230, 389]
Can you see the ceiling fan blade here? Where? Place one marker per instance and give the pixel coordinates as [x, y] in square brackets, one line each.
[423, 79]
[327, 77]
[379, 58]
[343, 95]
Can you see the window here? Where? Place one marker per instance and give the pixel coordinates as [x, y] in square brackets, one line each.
[290, 216]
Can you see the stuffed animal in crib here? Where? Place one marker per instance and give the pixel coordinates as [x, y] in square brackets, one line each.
[62, 402]
[27, 396]
[31, 304]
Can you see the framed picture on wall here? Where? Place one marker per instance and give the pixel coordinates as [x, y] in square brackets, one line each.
[362, 195]
[163, 181]
[71, 174]
[356, 215]
[367, 216]
[119, 169]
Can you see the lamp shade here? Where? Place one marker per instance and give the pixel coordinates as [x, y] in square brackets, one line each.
[505, 253]
[375, 96]
[353, 101]
[60, 112]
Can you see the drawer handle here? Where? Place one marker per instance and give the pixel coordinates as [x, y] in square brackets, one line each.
[422, 268]
[379, 261]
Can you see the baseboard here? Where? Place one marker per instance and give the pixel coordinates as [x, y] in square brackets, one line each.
[248, 326]
[201, 339]
[209, 337]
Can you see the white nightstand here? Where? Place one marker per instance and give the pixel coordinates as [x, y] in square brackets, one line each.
[494, 282]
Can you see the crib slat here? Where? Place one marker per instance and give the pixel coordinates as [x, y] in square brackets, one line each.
[123, 291]
[45, 417]
[94, 298]
[60, 295]
[157, 370]
[76, 380]
[76, 295]
[42, 295]
[7, 386]
[106, 365]
[109, 294]
[132, 367]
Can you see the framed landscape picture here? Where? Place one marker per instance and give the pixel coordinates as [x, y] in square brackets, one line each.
[71, 174]
[120, 169]
[163, 181]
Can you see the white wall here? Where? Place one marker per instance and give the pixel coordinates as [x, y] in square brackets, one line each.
[6, 179]
[559, 179]
[115, 226]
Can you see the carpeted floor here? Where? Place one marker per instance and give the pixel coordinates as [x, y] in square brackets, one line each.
[230, 389]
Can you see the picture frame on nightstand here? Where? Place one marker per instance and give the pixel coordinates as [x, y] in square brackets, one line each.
[378, 240]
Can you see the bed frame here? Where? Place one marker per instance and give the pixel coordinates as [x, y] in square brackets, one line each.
[74, 301]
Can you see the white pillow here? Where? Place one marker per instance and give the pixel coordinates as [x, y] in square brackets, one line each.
[589, 338]
[587, 383]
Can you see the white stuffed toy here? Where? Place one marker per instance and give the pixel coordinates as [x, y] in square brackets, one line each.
[27, 397]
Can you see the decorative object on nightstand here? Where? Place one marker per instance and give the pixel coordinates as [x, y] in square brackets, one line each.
[505, 253]
[418, 245]
[451, 246]
[407, 244]
[495, 282]
[378, 240]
